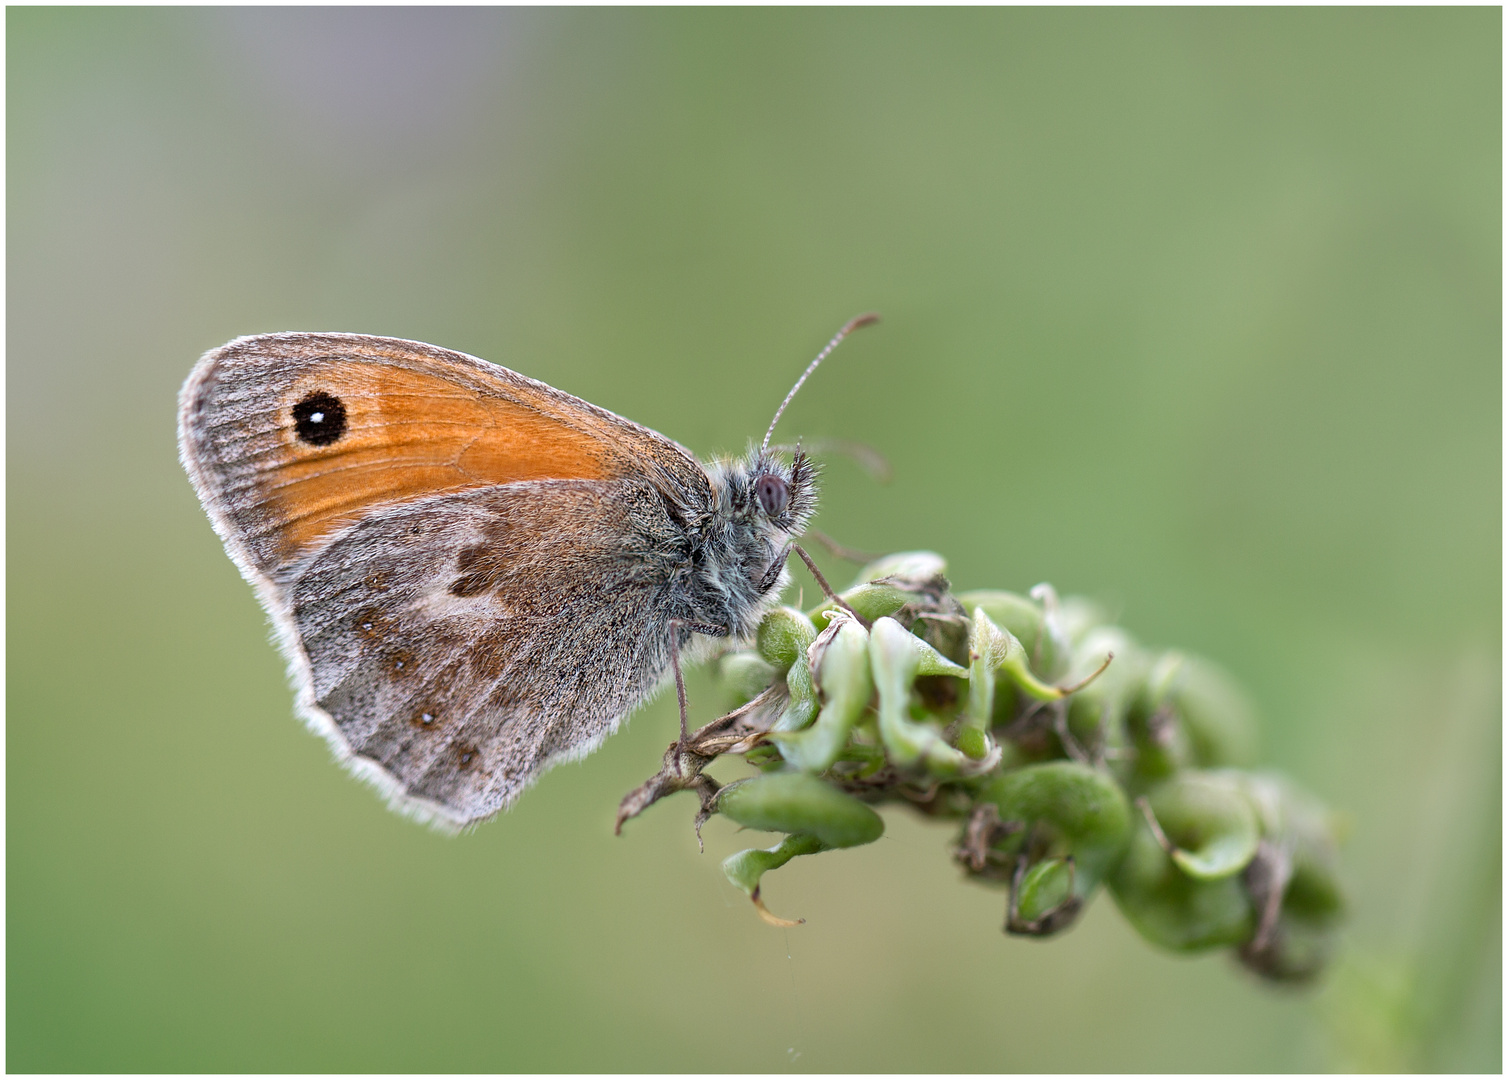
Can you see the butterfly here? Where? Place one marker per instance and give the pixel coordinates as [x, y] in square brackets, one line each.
[474, 576]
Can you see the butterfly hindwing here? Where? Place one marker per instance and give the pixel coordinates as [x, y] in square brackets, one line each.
[458, 645]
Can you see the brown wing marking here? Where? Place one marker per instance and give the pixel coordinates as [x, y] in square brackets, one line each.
[460, 644]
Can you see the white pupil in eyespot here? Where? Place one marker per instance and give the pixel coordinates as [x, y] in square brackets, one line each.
[316, 418]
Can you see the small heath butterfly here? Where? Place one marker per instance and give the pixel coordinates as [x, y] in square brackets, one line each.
[473, 575]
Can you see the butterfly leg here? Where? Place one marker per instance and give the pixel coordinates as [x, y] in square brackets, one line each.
[675, 661]
[826, 588]
[777, 564]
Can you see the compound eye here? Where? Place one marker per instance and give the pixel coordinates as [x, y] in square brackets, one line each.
[774, 495]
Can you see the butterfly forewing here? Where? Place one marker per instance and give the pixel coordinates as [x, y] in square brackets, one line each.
[291, 437]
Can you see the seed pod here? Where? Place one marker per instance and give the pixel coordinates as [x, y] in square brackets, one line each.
[1070, 618]
[1008, 655]
[886, 585]
[745, 868]
[1208, 822]
[986, 650]
[784, 636]
[1096, 717]
[1059, 810]
[896, 658]
[1292, 882]
[905, 565]
[793, 802]
[1296, 822]
[1188, 714]
[1220, 720]
[839, 660]
[1171, 909]
[1043, 900]
[1046, 653]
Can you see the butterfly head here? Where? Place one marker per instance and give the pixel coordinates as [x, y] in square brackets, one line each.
[761, 503]
[768, 495]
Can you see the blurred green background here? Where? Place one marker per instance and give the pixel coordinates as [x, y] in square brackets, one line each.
[1197, 312]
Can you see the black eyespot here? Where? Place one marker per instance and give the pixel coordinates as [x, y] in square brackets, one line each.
[773, 494]
[319, 419]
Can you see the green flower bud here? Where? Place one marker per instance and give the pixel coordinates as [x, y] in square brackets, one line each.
[1097, 710]
[1292, 882]
[1220, 720]
[872, 600]
[1072, 617]
[1157, 734]
[784, 637]
[1294, 953]
[745, 868]
[889, 584]
[1295, 822]
[986, 650]
[840, 659]
[744, 674]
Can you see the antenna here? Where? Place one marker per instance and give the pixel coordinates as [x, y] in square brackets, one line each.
[849, 327]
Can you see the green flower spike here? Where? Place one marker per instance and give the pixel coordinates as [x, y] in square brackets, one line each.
[1062, 770]
[896, 658]
[818, 816]
[841, 657]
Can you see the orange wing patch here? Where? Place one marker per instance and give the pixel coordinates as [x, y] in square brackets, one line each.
[406, 434]
[289, 437]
